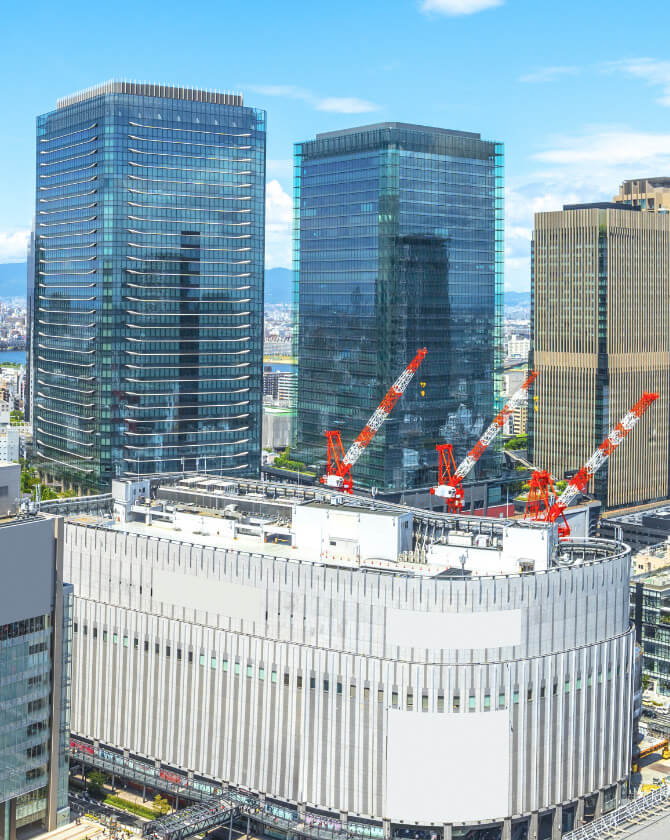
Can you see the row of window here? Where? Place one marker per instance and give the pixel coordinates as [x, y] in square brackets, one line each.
[24, 627]
[325, 684]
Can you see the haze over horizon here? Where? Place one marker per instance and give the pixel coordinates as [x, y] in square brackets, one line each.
[578, 108]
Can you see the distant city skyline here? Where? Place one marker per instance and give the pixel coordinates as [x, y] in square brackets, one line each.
[578, 112]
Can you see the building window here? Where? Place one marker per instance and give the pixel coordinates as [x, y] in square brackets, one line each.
[487, 701]
[298, 681]
[125, 641]
[456, 704]
[115, 639]
[250, 671]
[471, 702]
[273, 676]
[261, 673]
[424, 702]
[202, 662]
[394, 699]
[212, 662]
[410, 700]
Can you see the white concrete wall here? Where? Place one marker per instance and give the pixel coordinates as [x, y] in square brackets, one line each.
[10, 487]
[448, 764]
[336, 531]
[27, 563]
[321, 730]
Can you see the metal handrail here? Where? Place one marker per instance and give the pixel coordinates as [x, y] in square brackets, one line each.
[619, 817]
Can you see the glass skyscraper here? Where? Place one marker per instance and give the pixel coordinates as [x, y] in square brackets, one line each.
[149, 251]
[398, 245]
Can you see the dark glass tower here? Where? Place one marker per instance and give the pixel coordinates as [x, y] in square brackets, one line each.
[149, 250]
[398, 245]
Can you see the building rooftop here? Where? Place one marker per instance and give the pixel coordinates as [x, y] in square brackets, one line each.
[637, 517]
[397, 125]
[188, 94]
[314, 525]
[660, 579]
[600, 205]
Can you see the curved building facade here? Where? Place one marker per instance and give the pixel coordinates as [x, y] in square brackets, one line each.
[398, 697]
[148, 314]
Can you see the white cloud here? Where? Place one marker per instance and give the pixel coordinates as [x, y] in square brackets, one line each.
[611, 148]
[334, 104]
[459, 7]
[575, 169]
[549, 74]
[656, 73]
[346, 105]
[278, 226]
[13, 246]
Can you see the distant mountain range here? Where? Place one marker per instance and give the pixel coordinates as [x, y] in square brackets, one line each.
[517, 298]
[278, 286]
[278, 283]
[12, 280]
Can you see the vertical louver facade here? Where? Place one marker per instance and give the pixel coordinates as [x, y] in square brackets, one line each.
[147, 344]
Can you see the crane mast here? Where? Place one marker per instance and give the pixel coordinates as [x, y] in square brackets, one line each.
[450, 477]
[339, 463]
[579, 482]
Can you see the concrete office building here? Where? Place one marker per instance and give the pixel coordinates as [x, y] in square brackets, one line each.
[651, 194]
[148, 295]
[601, 337]
[35, 664]
[650, 610]
[380, 667]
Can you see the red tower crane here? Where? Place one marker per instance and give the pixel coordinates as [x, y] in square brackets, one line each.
[579, 482]
[449, 477]
[339, 464]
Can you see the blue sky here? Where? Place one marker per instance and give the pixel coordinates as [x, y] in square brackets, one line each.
[579, 92]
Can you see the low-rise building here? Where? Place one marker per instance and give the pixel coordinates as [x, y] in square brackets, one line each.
[650, 610]
[35, 669]
[351, 661]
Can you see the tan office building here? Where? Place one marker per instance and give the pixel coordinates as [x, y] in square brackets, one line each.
[601, 337]
[651, 194]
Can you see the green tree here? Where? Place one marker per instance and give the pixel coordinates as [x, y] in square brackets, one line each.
[516, 442]
[96, 781]
[15, 417]
[161, 805]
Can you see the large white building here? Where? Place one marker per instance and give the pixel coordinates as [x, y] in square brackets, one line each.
[376, 665]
